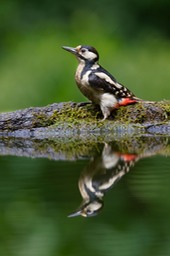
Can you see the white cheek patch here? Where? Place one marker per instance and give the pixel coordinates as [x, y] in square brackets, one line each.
[90, 55]
[94, 207]
[108, 79]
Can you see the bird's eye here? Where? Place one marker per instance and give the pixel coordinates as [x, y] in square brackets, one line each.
[89, 212]
[83, 50]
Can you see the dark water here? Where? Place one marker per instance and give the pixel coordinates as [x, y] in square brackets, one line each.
[124, 185]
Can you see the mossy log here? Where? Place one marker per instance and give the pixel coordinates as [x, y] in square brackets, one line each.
[84, 147]
[62, 118]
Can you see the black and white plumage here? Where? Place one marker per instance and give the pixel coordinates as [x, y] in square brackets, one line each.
[102, 173]
[97, 84]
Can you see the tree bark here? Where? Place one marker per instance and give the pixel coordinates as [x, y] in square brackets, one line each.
[73, 117]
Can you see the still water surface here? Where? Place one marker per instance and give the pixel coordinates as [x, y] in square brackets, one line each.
[123, 185]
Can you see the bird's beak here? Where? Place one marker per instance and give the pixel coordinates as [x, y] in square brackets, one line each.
[75, 214]
[70, 49]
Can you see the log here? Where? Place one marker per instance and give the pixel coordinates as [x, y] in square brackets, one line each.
[84, 146]
[71, 117]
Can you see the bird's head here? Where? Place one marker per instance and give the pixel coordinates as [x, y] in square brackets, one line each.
[84, 53]
[89, 209]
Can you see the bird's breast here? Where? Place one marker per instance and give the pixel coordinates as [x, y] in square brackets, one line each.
[82, 80]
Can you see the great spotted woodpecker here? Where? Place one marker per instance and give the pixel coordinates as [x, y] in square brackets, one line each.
[100, 175]
[97, 84]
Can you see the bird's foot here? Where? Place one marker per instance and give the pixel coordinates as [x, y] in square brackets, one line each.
[82, 104]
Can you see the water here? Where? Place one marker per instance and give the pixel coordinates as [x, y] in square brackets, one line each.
[123, 184]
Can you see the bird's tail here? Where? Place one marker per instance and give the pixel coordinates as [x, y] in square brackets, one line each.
[140, 100]
[132, 100]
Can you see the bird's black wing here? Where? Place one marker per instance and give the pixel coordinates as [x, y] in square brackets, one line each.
[101, 80]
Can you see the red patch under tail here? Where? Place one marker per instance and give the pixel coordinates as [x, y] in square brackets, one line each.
[128, 157]
[127, 101]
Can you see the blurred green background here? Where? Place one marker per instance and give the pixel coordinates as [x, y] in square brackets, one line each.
[132, 37]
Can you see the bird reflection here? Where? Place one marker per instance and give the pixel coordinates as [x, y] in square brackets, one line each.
[99, 176]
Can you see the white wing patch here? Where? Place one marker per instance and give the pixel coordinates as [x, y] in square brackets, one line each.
[108, 79]
[95, 66]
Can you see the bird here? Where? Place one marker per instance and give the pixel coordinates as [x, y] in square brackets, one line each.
[97, 84]
[102, 173]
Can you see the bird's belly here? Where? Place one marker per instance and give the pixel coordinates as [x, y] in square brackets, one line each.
[86, 88]
[89, 92]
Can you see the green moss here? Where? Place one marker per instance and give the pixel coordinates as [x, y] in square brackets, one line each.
[42, 120]
[165, 105]
[131, 114]
[74, 116]
[144, 112]
[89, 113]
